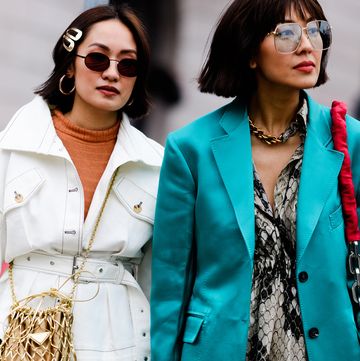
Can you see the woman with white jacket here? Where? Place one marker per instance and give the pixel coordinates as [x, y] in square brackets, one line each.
[58, 155]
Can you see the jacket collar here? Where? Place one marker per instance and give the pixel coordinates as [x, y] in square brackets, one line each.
[133, 146]
[233, 115]
[31, 130]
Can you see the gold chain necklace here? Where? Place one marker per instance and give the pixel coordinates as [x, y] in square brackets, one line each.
[268, 138]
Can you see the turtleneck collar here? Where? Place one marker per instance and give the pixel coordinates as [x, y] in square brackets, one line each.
[64, 125]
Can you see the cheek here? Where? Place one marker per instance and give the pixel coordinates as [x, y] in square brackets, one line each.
[318, 57]
[129, 84]
[275, 68]
[269, 61]
[85, 79]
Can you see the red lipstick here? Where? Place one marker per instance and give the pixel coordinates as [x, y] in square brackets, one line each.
[305, 66]
[108, 90]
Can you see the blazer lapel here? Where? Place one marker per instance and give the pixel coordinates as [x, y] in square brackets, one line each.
[232, 154]
[320, 169]
[319, 173]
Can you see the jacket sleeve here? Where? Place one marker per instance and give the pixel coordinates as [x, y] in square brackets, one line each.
[355, 161]
[357, 306]
[353, 140]
[172, 252]
[2, 230]
[3, 265]
[144, 270]
[2, 241]
[353, 132]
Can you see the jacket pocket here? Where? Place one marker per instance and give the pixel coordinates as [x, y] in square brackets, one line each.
[336, 218]
[193, 326]
[139, 203]
[20, 189]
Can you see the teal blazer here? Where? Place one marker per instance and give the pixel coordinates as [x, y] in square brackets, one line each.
[204, 240]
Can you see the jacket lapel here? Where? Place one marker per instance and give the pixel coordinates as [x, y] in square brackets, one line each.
[232, 154]
[320, 170]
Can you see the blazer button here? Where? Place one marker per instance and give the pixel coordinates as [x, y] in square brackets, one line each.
[303, 276]
[314, 332]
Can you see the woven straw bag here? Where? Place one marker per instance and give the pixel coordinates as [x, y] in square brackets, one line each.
[41, 333]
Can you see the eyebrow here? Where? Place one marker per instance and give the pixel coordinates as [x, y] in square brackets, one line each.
[311, 18]
[104, 47]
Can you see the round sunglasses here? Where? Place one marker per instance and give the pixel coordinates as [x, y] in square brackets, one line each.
[287, 36]
[100, 62]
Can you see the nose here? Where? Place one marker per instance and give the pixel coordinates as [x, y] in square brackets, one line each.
[305, 43]
[111, 73]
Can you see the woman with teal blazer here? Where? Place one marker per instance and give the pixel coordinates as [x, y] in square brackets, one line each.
[249, 251]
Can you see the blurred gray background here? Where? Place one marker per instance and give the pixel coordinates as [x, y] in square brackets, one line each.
[30, 28]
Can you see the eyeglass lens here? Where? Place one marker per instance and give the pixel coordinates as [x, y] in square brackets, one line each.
[288, 36]
[100, 62]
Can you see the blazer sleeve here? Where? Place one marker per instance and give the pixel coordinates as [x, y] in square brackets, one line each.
[172, 254]
[354, 136]
[357, 306]
[353, 133]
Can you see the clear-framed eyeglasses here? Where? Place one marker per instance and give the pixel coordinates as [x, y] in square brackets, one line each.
[287, 36]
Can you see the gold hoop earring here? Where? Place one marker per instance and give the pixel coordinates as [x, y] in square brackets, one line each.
[252, 64]
[60, 86]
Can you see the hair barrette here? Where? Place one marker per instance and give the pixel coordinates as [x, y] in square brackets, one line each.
[71, 35]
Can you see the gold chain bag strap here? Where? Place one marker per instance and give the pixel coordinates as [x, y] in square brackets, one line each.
[37, 332]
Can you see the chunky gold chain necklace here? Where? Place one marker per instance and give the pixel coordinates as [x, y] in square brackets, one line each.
[271, 139]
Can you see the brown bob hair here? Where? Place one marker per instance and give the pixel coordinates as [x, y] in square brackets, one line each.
[138, 103]
[237, 38]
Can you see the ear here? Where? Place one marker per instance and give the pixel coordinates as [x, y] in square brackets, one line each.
[70, 72]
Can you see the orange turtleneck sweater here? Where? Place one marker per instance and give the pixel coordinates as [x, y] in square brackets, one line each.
[90, 151]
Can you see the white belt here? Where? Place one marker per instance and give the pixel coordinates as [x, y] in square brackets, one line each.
[105, 271]
[95, 270]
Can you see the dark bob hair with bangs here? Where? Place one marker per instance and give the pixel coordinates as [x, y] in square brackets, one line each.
[240, 30]
[138, 103]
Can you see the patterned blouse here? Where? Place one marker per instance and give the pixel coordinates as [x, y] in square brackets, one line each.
[276, 330]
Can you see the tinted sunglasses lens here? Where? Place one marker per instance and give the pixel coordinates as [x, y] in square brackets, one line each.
[97, 61]
[100, 62]
[128, 67]
[319, 33]
[287, 37]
